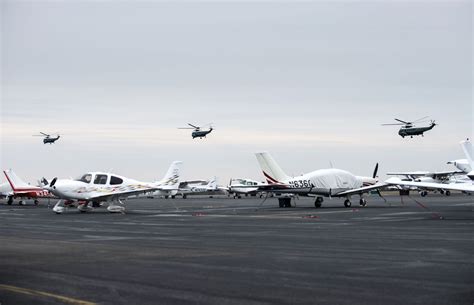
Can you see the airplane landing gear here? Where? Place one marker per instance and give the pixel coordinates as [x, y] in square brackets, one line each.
[21, 202]
[36, 202]
[284, 202]
[10, 200]
[347, 203]
[423, 193]
[447, 193]
[363, 202]
[58, 207]
[318, 202]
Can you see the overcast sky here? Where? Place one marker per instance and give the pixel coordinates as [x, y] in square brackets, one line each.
[311, 82]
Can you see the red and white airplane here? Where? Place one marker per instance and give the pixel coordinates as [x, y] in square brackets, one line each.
[21, 189]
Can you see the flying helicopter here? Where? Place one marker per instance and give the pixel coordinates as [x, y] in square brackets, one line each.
[409, 129]
[198, 132]
[47, 137]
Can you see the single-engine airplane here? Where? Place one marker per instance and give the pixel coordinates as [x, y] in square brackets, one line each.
[324, 182]
[99, 187]
[21, 189]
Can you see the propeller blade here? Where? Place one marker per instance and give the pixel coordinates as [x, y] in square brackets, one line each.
[53, 182]
[44, 181]
[375, 170]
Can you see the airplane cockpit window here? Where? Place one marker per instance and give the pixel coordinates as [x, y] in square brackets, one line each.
[115, 180]
[86, 178]
[100, 179]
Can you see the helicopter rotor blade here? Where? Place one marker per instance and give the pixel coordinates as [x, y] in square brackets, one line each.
[197, 127]
[398, 124]
[417, 121]
[402, 121]
[45, 134]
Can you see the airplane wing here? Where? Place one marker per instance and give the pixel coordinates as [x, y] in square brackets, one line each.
[127, 193]
[363, 189]
[439, 175]
[465, 187]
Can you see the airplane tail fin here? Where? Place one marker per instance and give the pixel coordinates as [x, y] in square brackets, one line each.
[271, 170]
[171, 180]
[15, 181]
[212, 185]
[467, 149]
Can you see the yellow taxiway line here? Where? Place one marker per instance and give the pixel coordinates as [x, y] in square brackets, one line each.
[45, 294]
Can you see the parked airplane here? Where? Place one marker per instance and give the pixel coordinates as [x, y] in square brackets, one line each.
[464, 187]
[99, 187]
[5, 190]
[324, 182]
[200, 187]
[21, 189]
[445, 177]
[240, 186]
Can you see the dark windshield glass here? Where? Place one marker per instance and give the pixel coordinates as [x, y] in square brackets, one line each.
[115, 180]
[100, 179]
[86, 178]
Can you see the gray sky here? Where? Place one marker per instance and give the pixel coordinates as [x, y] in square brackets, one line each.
[311, 82]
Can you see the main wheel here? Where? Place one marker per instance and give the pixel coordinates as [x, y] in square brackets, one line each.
[347, 203]
[447, 193]
[363, 202]
[36, 202]
[423, 193]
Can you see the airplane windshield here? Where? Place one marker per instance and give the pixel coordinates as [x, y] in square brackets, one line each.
[85, 178]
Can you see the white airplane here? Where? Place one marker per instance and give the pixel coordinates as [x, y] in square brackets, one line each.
[99, 187]
[5, 190]
[467, 187]
[200, 187]
[324, 182]
[241, 186]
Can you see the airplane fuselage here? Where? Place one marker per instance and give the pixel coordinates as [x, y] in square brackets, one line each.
[326, 182]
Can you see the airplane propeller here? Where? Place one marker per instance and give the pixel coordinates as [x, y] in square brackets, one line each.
[374, 175]
[53, 182]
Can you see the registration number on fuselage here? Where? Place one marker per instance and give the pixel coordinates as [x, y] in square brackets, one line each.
[300, 183]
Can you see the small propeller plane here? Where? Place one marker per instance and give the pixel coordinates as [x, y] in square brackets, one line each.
[97, 187]
[467, 187]
[200, 187]
[47, 137]
[198, 132]
[324, 182]
[21, 189]
[409, 129]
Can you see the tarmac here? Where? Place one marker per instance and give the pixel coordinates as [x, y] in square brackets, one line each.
[412, 250]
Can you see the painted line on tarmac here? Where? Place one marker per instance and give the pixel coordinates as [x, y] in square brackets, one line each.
[33, 292]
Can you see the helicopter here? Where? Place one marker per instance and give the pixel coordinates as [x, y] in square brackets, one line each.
[47, 137]
[409, 129]
[198, 132]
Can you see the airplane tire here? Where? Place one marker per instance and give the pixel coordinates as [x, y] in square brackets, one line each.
[10, 200]
[447, 193]
[423, 193]
[36, 202]
[347, 203]
[184, 196]
[363, 202]
[317, 204]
